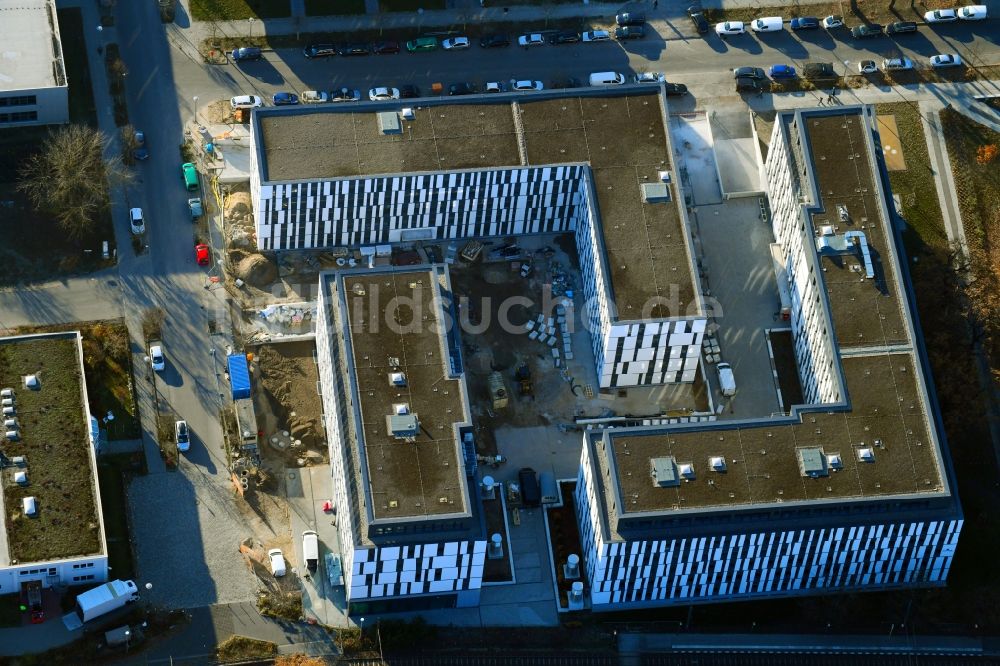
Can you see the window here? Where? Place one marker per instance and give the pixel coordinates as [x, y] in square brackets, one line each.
[24, 116]
[18, 100]
[78, 579]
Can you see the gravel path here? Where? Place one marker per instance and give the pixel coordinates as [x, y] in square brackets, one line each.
[187, 528]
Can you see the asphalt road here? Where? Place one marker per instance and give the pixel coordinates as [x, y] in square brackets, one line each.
[702, 63]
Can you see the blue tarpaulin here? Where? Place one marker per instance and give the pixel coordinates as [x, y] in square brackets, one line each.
[239, 376]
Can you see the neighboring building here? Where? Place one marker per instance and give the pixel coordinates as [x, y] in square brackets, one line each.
[595, 163]
[854, 490]
[396, 412]
[48, 467]
[33, 86]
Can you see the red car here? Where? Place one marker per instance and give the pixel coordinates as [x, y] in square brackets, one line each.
[202, 255]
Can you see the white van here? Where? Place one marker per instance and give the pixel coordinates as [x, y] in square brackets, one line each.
[727, 382]
[767, 24]
[607, 79]
[310, 549]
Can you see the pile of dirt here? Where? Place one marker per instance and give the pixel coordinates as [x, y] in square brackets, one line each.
[288, 377]
[238, 206]
[218, 112]
[254, 269]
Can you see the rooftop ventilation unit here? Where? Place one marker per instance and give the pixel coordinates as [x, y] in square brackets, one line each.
[842, 212]
[655, 193]
[664, 472]
[29, 506]
[21, 478]
[7, 393]
[9, 411]
[400, 408]
[12, 435]
[686, 470]
[397, 379]
[866, 454]
[31, 382]
[834, 461]
[408, 113]
[717, 463]
[7, 402]
[812, 462]
[403, 426]
[845, 244]
[388, 122]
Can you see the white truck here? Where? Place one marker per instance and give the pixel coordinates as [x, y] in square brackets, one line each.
[105, 598]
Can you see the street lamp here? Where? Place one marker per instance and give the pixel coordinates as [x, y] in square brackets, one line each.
[251, 20]
[361, 635]
[195, 98]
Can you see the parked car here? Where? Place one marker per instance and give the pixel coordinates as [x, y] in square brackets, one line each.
[867, 67]
[383, 94]
[782, 72]
[246, 102]
[353, 49]
[630, 32]
[649, 77]
[900, 27]
[818, 70]
[896, 64]
[385, 47]
[675, 88]
[277, 561]
[246, 53]
[137, 221]
[564, 37]
[833, 21]
[767, 24]
[182, 436]
[804, 23]
[202, 254]
[972, 13]
[568, 82]
[189, 174]
[596, 36]
[320, 50]
[408, 91]
[314, 97]
[533, 39]
[750, 72]
[946, 60]
[867, 31]
[493, 87]
[284, 99]
[525, 85]
[495, 40]
[727, 382]
[455, 43]
[422, 44]
[139, 150]
[630, 18]
[345, 95]
[531, 494]
[941, 16]
[156, 360]
[698, 19]
[194, 207]
[729, 28]
[461, 89]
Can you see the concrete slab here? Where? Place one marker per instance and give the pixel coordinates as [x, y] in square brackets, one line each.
[307, 489]
[692, 140]
[737, 261]
[735, 152]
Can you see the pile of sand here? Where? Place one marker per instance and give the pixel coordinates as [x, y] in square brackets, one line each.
[254, 269]
[217, 113]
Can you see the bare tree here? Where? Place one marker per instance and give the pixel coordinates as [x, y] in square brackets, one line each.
[70, 178]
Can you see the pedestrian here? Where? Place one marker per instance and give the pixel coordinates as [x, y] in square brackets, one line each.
[656, 3]
[821, 101]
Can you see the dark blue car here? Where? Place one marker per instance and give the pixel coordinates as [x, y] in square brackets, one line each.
[285, 99]
[805, 23]
[782, 72]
